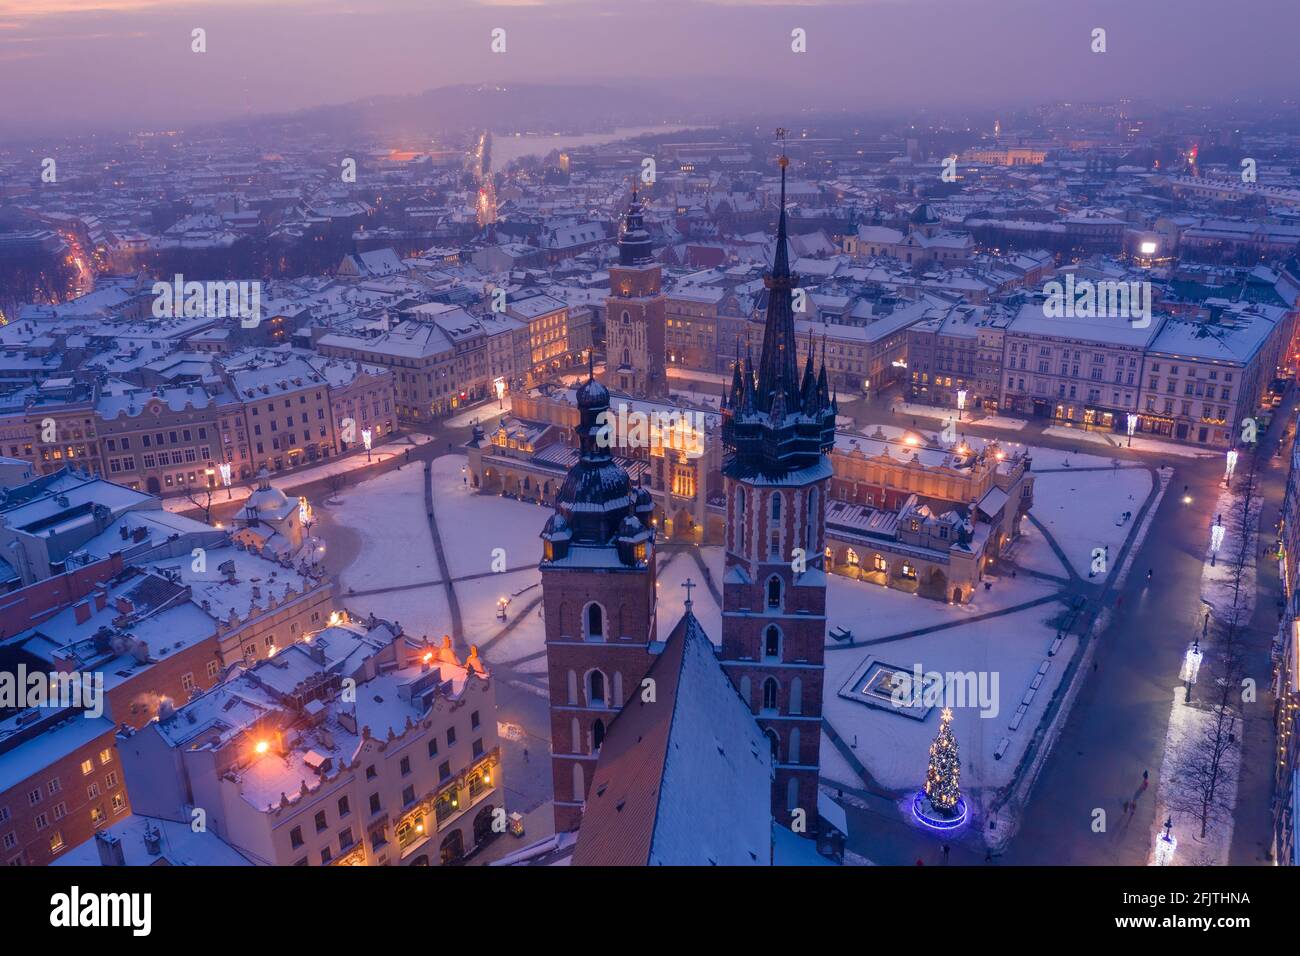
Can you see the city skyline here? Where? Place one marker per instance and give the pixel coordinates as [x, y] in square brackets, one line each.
[866, 57]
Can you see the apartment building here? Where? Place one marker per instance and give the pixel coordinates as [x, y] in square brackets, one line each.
[1077, 371]
[359, 745]
[1202, 377]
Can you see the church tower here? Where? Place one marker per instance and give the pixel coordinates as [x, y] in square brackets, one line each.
[598, 595]
[777, 429]
[634, 314]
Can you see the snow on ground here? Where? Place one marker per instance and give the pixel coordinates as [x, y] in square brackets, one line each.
[927, 411]
[1187, 724]
[1005, 652]
[482, 413]
[1031, 550]
[1139, 443]
[303, 476]
[674, 568]
[871, 611]
[1239, 542]
[387, 511]
[1001, 421]
[472, 525]
[717, 378]
[420, 611]
[478, 610]
[1080, 509]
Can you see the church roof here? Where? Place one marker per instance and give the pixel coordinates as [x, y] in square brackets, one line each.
[683, 780]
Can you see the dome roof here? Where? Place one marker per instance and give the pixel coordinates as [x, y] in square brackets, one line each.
[592, 394]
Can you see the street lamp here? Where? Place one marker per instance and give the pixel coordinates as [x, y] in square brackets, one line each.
[1231, 467]
[961, 402]
[501, 607]
[1132, 427]
[1191, 667]
[1217, 532]
[1166, 844]
[365, 437]
[500, 385]
[224, 468]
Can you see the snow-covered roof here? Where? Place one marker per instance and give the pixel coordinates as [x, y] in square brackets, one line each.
[684, 780]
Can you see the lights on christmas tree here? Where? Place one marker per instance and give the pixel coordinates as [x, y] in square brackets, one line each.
[940, 805]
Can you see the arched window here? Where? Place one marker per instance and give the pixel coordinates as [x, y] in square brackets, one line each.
[595, 689]
[776, 506]
[774, 592]
[774, 742]
[772, 641]
[573, 687]
[796, 696]
[792, 793]
[627, 317]
[579, 783]
[852, 558]
[769, 694]
[577, 735]
[595, 621]
[794, 746]
[597, 735]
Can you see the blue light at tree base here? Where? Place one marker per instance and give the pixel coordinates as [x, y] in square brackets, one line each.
[926, 817]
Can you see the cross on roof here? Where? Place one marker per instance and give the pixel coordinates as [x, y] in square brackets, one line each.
[689, 585]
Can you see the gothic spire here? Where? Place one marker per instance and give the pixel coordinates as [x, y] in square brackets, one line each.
[777, 365]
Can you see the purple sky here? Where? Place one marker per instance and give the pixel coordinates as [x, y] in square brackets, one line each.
[69, 64]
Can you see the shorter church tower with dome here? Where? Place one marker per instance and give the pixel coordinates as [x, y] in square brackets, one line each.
[598, 591]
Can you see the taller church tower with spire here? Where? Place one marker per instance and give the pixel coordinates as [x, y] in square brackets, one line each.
[777, 431]
[635, 314]
[598, 594]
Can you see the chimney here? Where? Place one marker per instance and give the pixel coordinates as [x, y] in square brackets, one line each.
[82, 611]
[123, 605]
[152, 840]
[101, 600]
[110, 850]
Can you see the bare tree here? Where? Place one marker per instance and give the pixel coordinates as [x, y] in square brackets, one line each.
[201, 498]
[1204, 764]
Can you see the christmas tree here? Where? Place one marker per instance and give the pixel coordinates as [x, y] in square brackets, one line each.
[941, 779]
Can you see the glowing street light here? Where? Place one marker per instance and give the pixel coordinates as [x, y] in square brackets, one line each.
[1231, 466]
[500, 385]
[1132, 427]
[1191, 667]
[1217, 531]
[1166, 844]
[501, 607]
[365, 438]
[224, 468]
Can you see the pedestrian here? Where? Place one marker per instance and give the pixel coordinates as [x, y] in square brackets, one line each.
[1150, 572]
[945, 852]
[1146, 775]
[1126, 806]
[1094, 667]
[525, 755]
[920, 862]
